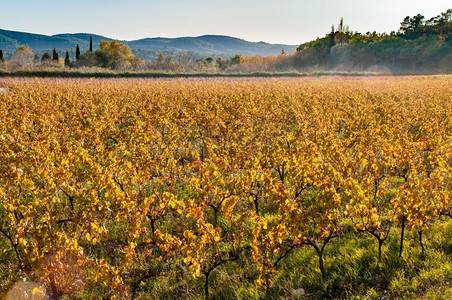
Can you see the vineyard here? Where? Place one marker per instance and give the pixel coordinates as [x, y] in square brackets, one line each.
[232, 189]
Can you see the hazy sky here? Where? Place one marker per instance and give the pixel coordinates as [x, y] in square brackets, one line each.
[282, 21]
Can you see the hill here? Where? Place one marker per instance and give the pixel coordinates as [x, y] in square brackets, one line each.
[204, 45]
[420, 45]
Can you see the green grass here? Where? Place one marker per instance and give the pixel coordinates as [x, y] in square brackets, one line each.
[354, 272]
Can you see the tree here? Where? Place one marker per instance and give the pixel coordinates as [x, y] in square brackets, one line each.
[23, 58]
[341, 34]
[45, 57]
[88, 59]
[184, 59]
[236, 59]
[221, 63]
[412, 27]
[55, 55]
[340, 27]
[67, 61]
[160, 59]
[115, 55]
[1, 56]
[77, 53]
[331, 36]
[91, 43]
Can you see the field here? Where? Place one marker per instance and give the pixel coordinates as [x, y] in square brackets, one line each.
[284, 188]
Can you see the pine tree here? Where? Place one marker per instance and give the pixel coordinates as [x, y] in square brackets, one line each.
[55, 55]
[91, 43]
[77, 52]
[1, 56]
[67, 62]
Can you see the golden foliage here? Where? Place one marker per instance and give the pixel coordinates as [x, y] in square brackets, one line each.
[126, 179]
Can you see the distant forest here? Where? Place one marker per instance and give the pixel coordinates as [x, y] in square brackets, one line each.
[419, 46]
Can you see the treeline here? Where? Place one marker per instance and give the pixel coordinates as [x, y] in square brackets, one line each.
[419, 46]
[112, 55]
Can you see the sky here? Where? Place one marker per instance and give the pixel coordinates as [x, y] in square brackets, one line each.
[278, 21]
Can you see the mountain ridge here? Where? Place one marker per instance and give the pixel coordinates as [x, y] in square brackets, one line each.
[208, 44]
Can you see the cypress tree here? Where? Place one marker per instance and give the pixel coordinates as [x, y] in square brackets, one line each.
[67, 62]
[55, 54]
[341, 25]
[77, 53]
[1, 56]
[331, 36]
[91, 43]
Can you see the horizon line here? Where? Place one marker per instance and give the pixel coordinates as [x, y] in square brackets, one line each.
[154, 37]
